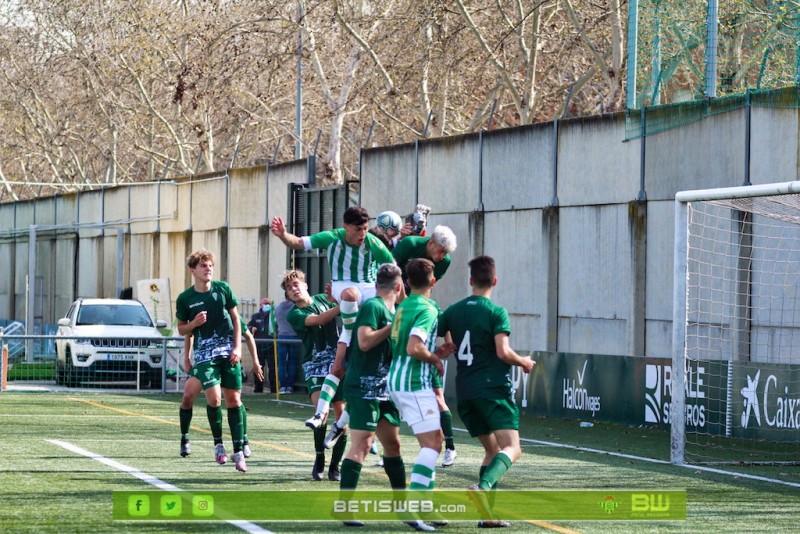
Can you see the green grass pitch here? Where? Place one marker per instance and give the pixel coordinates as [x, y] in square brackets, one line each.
[49, 488]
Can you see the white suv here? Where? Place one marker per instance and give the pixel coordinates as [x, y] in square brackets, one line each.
[109, 340]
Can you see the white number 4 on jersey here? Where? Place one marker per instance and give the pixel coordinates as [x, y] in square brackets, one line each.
[465, 350]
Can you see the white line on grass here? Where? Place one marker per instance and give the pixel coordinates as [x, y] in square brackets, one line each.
[654, 461]
[150, 479]
[629, 457]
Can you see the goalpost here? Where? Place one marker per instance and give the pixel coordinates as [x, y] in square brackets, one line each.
[736, 326]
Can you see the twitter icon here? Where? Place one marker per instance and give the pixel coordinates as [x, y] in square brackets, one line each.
[170, 505]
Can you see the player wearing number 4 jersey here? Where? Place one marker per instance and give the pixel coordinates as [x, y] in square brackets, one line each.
[480, 329]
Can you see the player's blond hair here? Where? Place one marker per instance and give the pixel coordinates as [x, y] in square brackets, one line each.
[200, 255]
[289, 276]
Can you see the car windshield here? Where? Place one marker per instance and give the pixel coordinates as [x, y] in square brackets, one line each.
[106, 314]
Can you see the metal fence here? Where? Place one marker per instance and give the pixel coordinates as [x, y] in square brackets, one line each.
[128, 364]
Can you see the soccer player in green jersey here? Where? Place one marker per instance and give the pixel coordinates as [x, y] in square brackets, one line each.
[414, 356]
[364, 385]
[313, 318]
[436, 248]
[208, 311]
[193, 387]
[481, 328]
[353, 256]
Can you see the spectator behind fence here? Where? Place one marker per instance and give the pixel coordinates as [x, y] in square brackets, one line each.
[288, 353]
[262, 327]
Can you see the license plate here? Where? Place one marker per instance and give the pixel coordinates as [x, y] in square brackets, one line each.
[121, 357]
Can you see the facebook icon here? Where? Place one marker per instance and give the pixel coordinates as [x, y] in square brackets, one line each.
[138, 505]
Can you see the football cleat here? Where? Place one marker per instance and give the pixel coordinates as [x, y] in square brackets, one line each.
[315, 422]
[186, 449]
[319, 467]
[248, 452]
[493, 523]
[219, 454]
[238, 461]
[334, 475]
[449, 457]
[333, 436]
[419, 526]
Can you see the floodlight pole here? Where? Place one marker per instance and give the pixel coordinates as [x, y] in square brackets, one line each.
[711, 48]
[298, 118]
[633, 49]
[30, 306]
[120, 258]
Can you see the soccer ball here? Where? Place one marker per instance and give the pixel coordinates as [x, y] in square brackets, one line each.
[389, 221]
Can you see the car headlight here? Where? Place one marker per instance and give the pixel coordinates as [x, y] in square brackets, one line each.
[84, 341]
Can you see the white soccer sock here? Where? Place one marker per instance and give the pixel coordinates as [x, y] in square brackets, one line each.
[343, 419]
[346, 336]
[349, 311]
[423, 474]
[326, 394]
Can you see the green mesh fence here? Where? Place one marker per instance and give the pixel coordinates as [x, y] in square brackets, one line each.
[755, 46]
[684, 72]
[657, 119]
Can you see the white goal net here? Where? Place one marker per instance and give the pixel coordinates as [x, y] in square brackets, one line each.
[736, 326]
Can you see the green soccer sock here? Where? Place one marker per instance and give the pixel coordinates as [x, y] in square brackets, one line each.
[351, 472]
[186, 423]
[496, 469]
[319, 439]
[338, 452]
[395, 470]
[446, 419]
[215, 422]
[492, 493]
[326, 394]
[237, 428]
[243, 412]
[424, 471]
[349, 311]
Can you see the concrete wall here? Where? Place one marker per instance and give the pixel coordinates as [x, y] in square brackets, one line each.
[579, 220]
[583, 234]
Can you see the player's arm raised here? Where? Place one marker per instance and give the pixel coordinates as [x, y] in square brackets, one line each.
[509, 356]
[278, 228]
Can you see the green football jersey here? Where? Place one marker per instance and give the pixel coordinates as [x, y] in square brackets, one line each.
[411, 247]
[349, 263]
[418, 316]
[319, 342]
[214, 339]
[367, 370]
[473, 324]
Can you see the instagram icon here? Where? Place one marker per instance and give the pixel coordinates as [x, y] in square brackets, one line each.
[203, 505]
